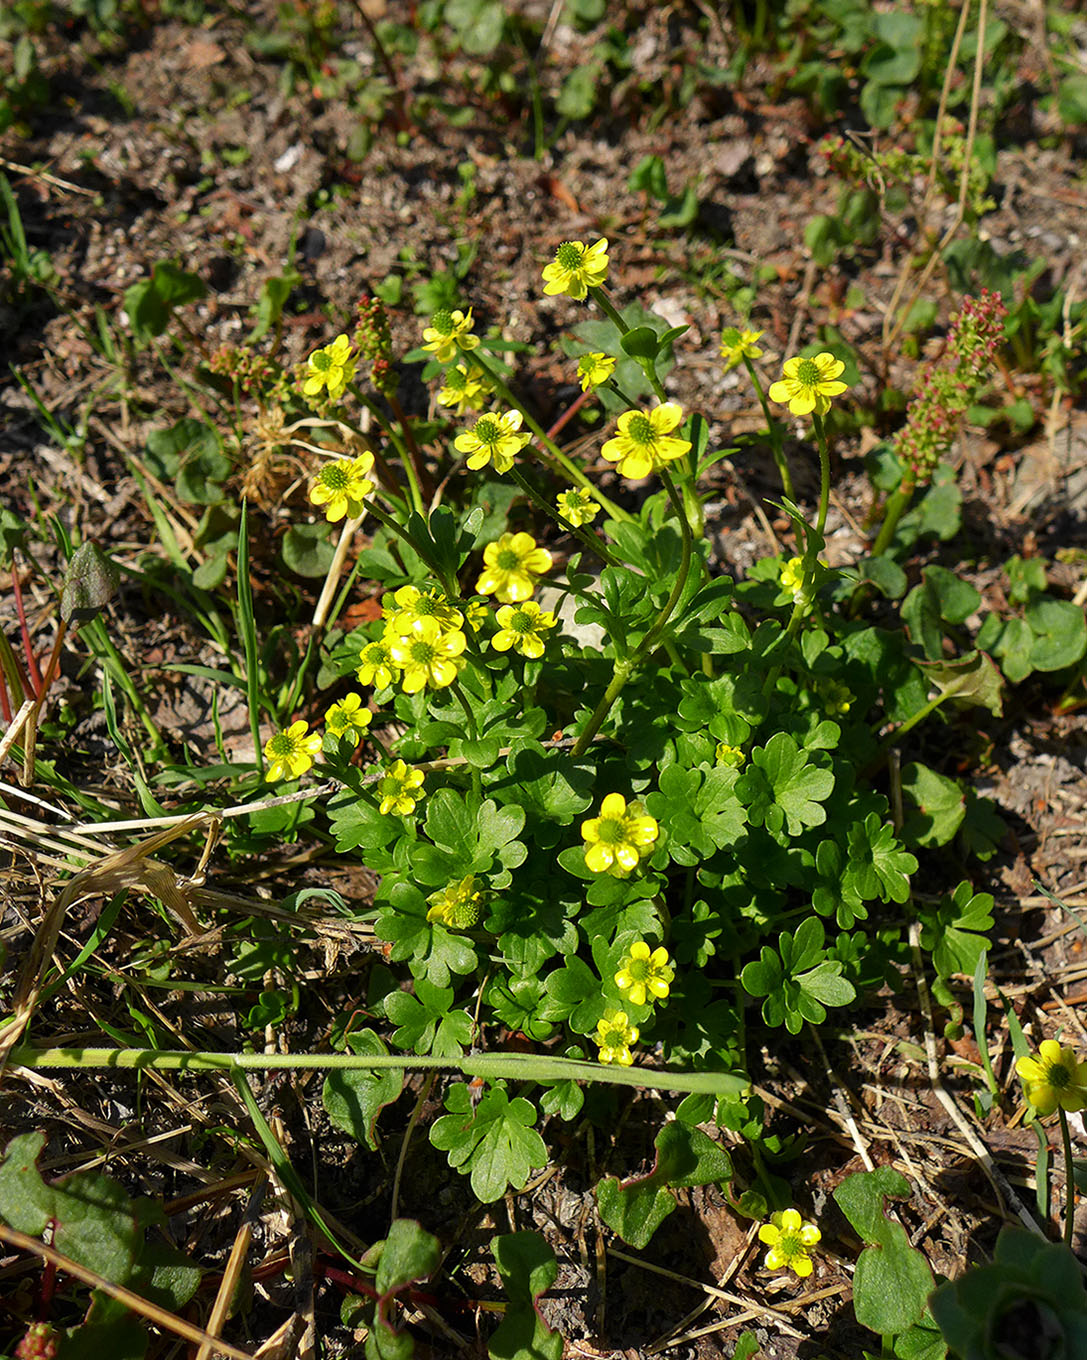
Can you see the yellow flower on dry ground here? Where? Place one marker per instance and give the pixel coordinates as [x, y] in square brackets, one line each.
[729, 756]
[376, 665]
[290, 753]
[615, 1034]
[738, 345]
[618, 838]
[594, 369]
[348, 718]
[493, 439]
[577, 506]
[466, 389]
[522, 626]
[404, 608]
[809, 384]
[449, 333]
[428, 655]
[644, 442]
[576, 268]
[790, 1240]
[644, 972]
[511, 566]
[330, 368]
[342, 485]
[399, 788]
[1054, 1078]
[457, 905]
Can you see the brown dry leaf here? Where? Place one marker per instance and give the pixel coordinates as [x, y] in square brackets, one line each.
[202, 53]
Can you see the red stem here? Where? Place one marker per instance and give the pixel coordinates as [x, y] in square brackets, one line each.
[31, 660]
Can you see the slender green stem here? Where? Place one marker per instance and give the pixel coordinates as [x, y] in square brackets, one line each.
[624, 668]
[774, 429]
[248, 627]
[470, 717]
[1069, 1179]
[415, 454]
[515, 1066]
[824, 476]
[449, 587]
[595, 545]
[555, 453]
[600, 297]
[897, 504]
[407, 457]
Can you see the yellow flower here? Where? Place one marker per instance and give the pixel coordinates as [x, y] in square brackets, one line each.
[475, 611]
[400, 789]
[428, 655]
[644, 442]
[493, 438]
[809, 384]
[577, 506]
[331, 367]
[1055, 1077]
[790, 1240]
[643, 973]
[458, 905]
[290, 753]
[737, 345]
[342, 485]
[594, 369]
[348, 718]
[615, 1034]
[521, 626]
[791, 576]
[449, 332]
[731, 756]
[576, 268]
[512, 565]
[617, 838]
[837, 698]
[377, 667]
[406, 607]
[466, 389]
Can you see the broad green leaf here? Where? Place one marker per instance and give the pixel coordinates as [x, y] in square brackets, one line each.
[408, 1254]
[940, 806]
[892, 1280]
[528, 1269]
[353, 1099]
[495, 1143]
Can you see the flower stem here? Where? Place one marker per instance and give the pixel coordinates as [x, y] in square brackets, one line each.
[624, 668]
[1069, 1179]
[595, 545]
[897, 503]
[600, 297]
[774, 429]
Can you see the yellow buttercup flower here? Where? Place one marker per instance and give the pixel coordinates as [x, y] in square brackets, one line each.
[594, 369]
[577, 506]
[644, 973]
[790, 1240]
[511, 567]
[730, 756]
[449, 333]
[644, 442]
[809, 384]
[738, 345]
[458, 905]
[348, 718]
[791, 576]
[837, 698]
[404, 608]
[576, 268]
[290, 753]
[400, 789]
[493, 439]
[615, 1034]
[330, 368]
[428, 655]
[466, 389]
[342, 485]
[1054, 1078]
[376, 665]
[618, 838]
[522, 626]
[475, 611]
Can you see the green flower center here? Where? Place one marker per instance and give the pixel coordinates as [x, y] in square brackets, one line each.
[640, 970]
[488, 430]
[808, 374]
[281, 745]
[611, 831]
[1057, 1075]
[522, 623]
[336, 477]
[508, 560]
[376, 654]
[640, 429]
[791, 1246]
[569, 256]
[426, 605]
[442, 322]
[422, 653]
